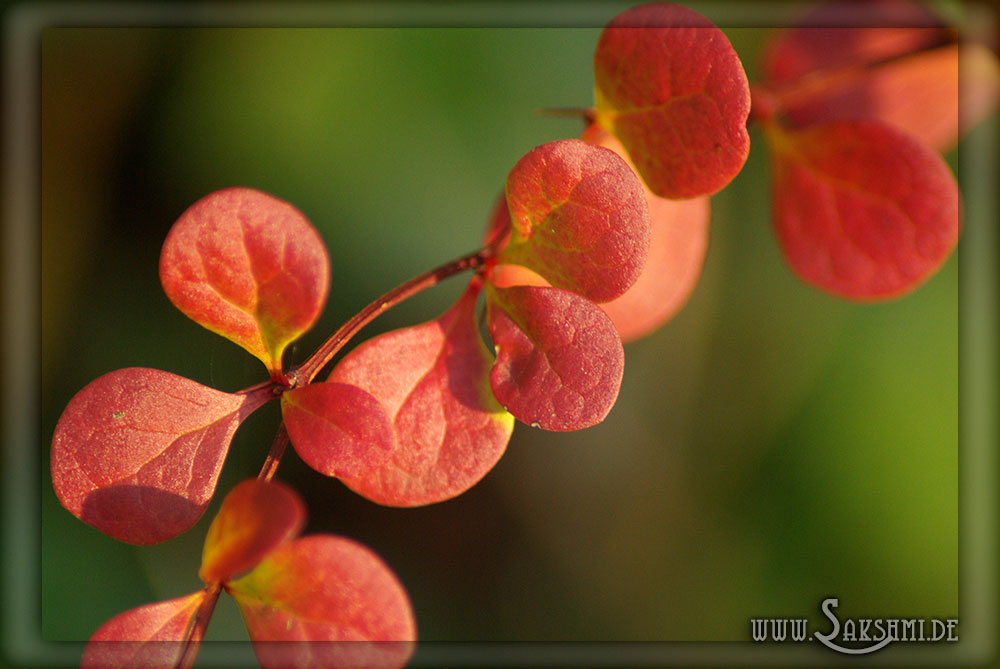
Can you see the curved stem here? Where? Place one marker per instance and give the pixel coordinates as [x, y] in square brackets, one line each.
[308, 370]
[273, 459]
[196, 632]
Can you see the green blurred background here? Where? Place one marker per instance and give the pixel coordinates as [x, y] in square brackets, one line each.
[771, 446]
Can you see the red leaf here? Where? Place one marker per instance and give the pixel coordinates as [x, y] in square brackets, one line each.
[918, 94]
[836, 35]
[255, 517]
[137, 452]
[678, 242]
[671, 87]
[337, 429]
[323, 588]
[862, 210]
[892, 61]
[249, 267]
[559, 359]
[146, 637]
[433, 381]
[579, 218]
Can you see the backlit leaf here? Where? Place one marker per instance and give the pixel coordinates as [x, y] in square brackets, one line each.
[322, 588]
[433, 381]
[837, 35]
[678, 242]
[249, 267]
[337, 429]
[559, 358]
[137, 452]
[861, 209]
[918, 94]
[670, 86]
[147, 637]
[578, 218]
[255, 517]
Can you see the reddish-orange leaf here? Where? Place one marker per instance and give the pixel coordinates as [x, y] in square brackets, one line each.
[137, 452]
[249, 267]
[337, 429]
[578, 218]
[836, 35]
[147, 637]
[255, 517]
[671, 87]
[678, 242]
[559, 358]
[861, 209]
[918, 94]
[322, 588]
[433, 381]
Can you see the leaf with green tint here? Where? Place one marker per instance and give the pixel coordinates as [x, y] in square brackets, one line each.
[578, 218]
[433, 381]
[137, 452]
[316, 592]
[559, 358]
[670, 86]
[256, 516]
[249, 267]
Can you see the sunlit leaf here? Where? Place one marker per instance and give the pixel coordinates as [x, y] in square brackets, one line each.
[678, 242]
[673, 90]
[147, 637]
[322, 588]
[837, 35]
[861, 209]
[137, 452]
[919, 94]
[433, 381]
[559, 358]
[337, 429]
[578, 218]
[249, 267]
[255, 517]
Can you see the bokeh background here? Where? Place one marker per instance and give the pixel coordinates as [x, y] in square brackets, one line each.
[771, 446]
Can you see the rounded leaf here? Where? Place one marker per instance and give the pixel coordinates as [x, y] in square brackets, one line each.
[559, 359]
[147, 637]
[137, 452]
[670, 86]
[678, 242]
[315, 592]
[255, 517]
[433, 381]
[249, 267]
[337, 429]
[578, 218]
[862, 210]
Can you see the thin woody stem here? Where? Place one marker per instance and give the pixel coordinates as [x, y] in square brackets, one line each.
[273, 459]
[196, 632]
[308, 370]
